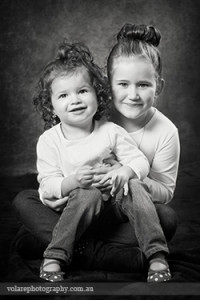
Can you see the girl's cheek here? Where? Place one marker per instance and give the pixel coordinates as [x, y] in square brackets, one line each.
[117, 92]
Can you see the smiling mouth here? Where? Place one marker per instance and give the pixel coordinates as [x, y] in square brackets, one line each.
[133, 104]
[77, 109]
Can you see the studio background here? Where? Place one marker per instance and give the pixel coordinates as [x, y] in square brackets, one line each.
[30, 31]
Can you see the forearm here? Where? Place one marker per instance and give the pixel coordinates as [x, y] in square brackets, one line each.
[68, 184]
[160, 193]
[140, 168]
[50, 187]
[130, 172]
[57, 187]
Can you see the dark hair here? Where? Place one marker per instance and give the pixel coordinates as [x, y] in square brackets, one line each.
[69, 58]
[136, 40]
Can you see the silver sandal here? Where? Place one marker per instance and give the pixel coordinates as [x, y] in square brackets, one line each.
[159, 275]
[53, 276]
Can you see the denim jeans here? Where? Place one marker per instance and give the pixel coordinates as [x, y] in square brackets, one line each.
[141, 213]
[137, 207]
[83, 206]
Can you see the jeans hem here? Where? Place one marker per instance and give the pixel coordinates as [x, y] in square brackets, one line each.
[59, 256]
[149, 253]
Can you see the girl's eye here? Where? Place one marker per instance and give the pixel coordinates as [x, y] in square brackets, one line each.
[143, 85]
[123, 84]
[83, 91]
[62, 96]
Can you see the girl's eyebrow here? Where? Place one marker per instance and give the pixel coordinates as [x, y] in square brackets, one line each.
[85, 85]
[145, 81]
[60, 92]
[122, 80]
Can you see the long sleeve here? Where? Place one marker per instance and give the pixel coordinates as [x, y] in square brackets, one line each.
[128, 154]
[163, 173]
[159, 141]
[50, 175]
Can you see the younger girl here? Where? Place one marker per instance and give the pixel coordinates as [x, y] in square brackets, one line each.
[72, 94]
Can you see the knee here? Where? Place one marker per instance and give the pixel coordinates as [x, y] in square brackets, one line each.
[88, 198]
[137, 186]
[140, 195]
[168, 220]
[20, 201]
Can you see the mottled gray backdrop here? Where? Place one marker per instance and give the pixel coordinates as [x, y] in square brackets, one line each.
[30, 31]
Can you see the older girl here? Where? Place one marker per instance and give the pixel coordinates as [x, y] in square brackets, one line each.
[134, 70]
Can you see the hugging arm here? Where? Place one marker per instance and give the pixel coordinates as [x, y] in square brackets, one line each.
[133, 162]
[163, 174]
[127, 152]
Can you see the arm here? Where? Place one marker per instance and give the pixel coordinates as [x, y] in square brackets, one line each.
[50, 175]
[164, 168]
[53, 183]
[80, 179]
[83, 178]
[135, 164]
[128, 154]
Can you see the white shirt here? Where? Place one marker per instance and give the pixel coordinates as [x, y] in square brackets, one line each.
[159, 141]
[58, 157]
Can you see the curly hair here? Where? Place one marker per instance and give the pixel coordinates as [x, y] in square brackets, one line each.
[69, 58]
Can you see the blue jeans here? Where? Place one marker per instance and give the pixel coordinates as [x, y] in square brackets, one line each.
[103, 217]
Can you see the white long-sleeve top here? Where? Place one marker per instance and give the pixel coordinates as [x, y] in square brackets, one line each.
[58, 157]
[159, 141]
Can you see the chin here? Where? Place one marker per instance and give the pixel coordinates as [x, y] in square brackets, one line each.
[129, 114]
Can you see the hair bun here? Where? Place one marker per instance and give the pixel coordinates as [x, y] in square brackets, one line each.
[73, 52]
[67, 51]
[148, 34]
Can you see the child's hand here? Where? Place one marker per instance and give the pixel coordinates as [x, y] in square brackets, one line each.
[84, 177]
[113, 163]
[100, 172]
[56, 204]
[118, 178]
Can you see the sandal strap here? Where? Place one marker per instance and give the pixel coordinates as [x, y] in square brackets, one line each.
[49, 263]
[159, 260]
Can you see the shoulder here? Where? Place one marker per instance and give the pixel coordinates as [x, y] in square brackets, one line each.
[112, 130]
[50, 135]
[162, 124]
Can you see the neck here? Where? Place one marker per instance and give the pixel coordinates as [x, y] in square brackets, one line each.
[72, 132]
[132, 125]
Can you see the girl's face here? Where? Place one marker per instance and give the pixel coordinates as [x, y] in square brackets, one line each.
[74, 98]
[133, 86]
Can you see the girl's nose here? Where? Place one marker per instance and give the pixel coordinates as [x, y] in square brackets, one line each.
[75, 99]
[132, 93]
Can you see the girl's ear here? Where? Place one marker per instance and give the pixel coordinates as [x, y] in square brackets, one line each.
[160, 86]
